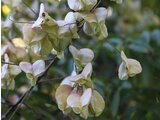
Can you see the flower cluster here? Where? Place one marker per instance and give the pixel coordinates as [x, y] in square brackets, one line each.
[59, 32]
[76, 93]
[94, 19]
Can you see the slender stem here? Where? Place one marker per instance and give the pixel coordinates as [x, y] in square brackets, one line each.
[118, 51]
[50, 80]
[29, 22]
[9, 63]
[29, 7]
[95, 6]
[67, 24]
[12, 110]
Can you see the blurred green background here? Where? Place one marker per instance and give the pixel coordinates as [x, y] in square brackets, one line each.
[134, 27]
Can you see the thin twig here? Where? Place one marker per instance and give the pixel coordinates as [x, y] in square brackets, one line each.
[9, 63]
[67, 24]
[118, 51]
[29, 7]
[29, 22]
[94, 7]
[50, 80]
[12, 110]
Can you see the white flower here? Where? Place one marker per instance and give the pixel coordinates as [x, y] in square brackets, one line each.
[76, 93]
[128, 68]
[60, 32]
[82, 56]
[81, 79]
[95, 22]
[33, 70]
[74, 97]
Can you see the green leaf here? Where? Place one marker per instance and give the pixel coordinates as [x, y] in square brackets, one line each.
[115, 103]
[140, 46]
[156, 36]
[145, 36]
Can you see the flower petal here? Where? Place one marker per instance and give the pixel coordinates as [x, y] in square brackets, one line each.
[3, 49]
[89, 17]
[26, 67]
[73, 100]
[28, 33]
[14, 69]
[42, 9]
[97, 103]
[6, 58]
[123, 56]
[90, 29]
[122, 73]
[61, 95]
[85, 113]
[36, 47]
[87, 71]
[103, 32]
[70, 18]
[76, 78]
[75, 5]
[67, 81]
[39, 20]
[4, 71]
[32, 34]
[89, 4]
[86, 55]
[38, 67]
[78, 5]
[133, 67]
[86, 97]
[101, 14]
[74, 51]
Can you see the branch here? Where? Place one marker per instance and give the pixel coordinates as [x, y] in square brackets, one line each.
[9, 63]
[95, 6]
[29, 22]
[12, 110]
[51, 80]
[29, 7]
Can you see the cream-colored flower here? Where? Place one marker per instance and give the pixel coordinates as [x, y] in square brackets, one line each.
[81, 57]
[60, 32]
[94, 24]
[33, 70]
[76, 93]
[78, 99]
[128, 68]
[74, 98]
